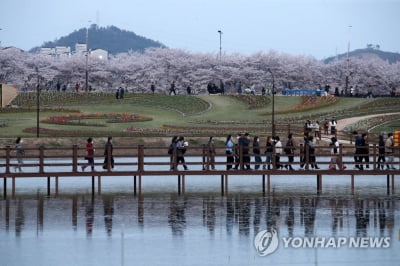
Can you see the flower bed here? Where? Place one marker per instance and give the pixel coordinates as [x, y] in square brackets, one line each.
[253, 101]
[311, 103]
[76, 119]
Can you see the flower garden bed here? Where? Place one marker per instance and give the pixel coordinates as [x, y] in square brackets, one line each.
[76, 119]
[253, 101]
[311, 103]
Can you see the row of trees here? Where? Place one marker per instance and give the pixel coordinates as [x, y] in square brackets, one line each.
[161, 66]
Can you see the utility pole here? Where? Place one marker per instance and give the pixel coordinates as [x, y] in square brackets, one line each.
[220, 46]
[37, 101]
[87, 58]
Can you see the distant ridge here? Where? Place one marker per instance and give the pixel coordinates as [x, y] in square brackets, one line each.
[109, 38]
[367, 53]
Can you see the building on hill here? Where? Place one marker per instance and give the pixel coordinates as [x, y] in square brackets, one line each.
[99, 54]
[80, 48]
[57, 52]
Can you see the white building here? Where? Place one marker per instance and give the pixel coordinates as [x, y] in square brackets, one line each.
[47, 51]
[80, 48]
[99, 54]
[62, 51]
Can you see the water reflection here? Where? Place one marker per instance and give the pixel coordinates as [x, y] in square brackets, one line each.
[244, 213]
[176, 218]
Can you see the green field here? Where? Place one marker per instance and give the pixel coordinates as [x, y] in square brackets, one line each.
[200, 115]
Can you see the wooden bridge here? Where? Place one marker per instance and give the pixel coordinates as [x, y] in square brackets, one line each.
[139, 161]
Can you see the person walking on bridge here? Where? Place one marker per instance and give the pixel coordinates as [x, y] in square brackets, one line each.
[389, 144]
[89, 154]
[108, 154]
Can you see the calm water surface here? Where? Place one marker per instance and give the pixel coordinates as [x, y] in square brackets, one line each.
[198, 228]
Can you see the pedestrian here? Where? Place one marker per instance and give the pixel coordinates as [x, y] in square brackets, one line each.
[211, 152]
[364, 152]
[268, 153]
[303, 151]
[333, 125]
[89, 154]
[172, 152]
[20, 153]
[256, 152]
[289, 150]
[172, 88]
[317, 130]
[153, 87]
[311, 152]
[381, 152]
[180, 151]
[108, 155]
[335, 158]
[278, 152]
[308, 127]
[326, 126]
[389, 144]
[121, 92]
[237, 151]
[244, 143]
[229, 149]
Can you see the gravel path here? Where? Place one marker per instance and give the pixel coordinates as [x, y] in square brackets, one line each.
[342, 123]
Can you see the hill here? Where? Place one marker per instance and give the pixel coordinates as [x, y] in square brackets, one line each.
[366, 53]
[110, 38]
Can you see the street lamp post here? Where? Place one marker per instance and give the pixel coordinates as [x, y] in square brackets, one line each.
[273, 102]
[37, 101]
[220, 46]
[87, 59]
[347, 68]
[0, 40]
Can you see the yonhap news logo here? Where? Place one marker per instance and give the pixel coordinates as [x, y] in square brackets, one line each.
[267, 241]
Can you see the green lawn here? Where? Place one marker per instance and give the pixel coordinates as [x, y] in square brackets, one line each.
[179, 111]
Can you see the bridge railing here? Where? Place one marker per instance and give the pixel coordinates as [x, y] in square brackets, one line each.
[143, 158]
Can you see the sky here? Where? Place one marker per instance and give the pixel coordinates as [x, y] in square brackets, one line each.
[318, 28]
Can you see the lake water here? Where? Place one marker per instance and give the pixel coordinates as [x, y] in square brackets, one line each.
[200, 227]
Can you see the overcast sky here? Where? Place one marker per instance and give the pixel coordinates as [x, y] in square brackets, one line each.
[320, 28]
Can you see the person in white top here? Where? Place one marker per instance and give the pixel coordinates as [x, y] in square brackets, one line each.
[278, 151]
[335, 158]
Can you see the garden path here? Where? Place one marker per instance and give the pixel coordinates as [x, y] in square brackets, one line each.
[342, 123]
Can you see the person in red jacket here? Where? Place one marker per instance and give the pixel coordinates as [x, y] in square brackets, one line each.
[89, 154]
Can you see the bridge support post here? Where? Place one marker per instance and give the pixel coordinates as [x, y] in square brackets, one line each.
[222, 185]
[134, 185]
[48, 186]
[93, 187]
[98, 185]
[319, 183]
[13, 187]
[393, 190]
[5, 188]
[179, 185]
[140, 185]
[226, 185]
[263, 184]
[56, 181]
[388, 184]
[183, 184]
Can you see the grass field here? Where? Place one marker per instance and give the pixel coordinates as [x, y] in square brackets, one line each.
[181, 114]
